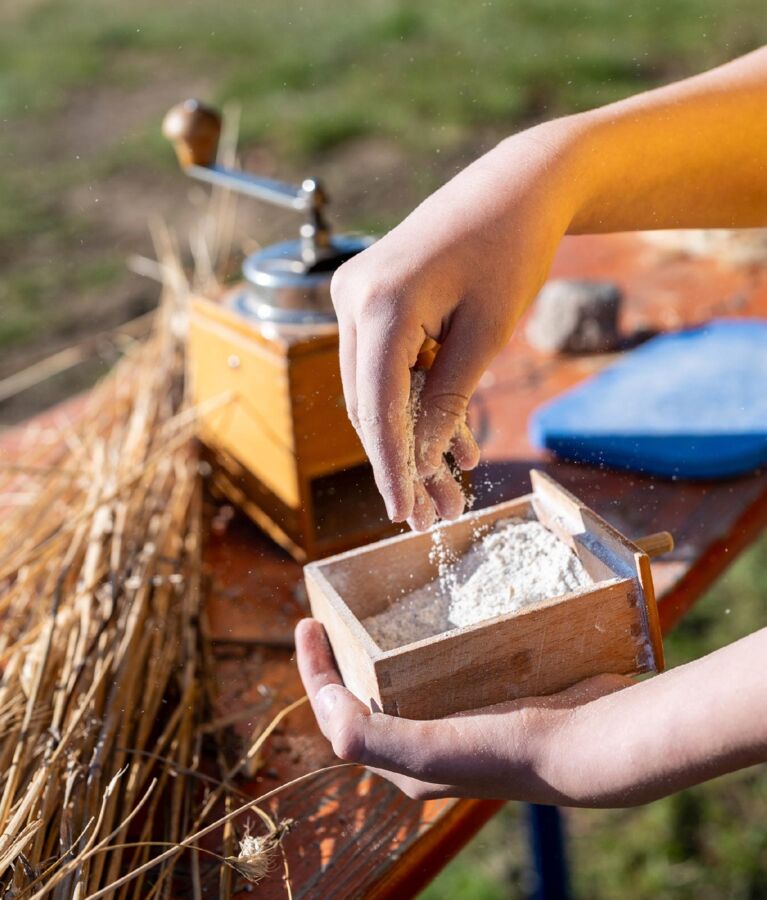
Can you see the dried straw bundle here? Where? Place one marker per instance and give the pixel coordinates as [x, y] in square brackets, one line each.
[100, 584]
[103, 687]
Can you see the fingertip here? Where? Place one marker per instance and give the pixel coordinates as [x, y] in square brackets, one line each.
[326, 700]
[399, 499]
[387, 454]
[305, 627]
[424, 514]
[446, 493]
[464, 448]
[342, 718]
[310, 634]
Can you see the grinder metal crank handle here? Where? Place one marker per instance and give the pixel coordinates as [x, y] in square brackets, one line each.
[194, 130]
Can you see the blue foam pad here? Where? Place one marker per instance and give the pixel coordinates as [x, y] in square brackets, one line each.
[691, 405]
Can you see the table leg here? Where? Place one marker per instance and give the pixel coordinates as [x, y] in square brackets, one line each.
[547, 845]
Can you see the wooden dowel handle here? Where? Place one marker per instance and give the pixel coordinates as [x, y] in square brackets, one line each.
[194, 129]
[656, 544]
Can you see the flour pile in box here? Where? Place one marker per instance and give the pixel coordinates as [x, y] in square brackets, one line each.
[517, 563]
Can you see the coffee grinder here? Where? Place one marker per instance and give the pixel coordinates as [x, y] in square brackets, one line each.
[282, 447]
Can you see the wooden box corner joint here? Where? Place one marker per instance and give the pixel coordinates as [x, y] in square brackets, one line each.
[610, 626]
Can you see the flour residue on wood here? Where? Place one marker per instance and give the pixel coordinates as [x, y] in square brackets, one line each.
[517, 563]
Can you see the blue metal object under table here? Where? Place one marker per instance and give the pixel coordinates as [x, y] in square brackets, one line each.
[547, 843]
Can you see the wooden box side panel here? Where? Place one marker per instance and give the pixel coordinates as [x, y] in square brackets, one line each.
[352, 647]
[253, 423]
[603, 550]
[324, 437]
[637, 563]
[556, 507]
[539, 651]
[371, 578]
[651, 612]
[283, 523]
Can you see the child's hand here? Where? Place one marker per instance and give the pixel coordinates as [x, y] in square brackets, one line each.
[524, 750]
[591, 745]
[460, 270]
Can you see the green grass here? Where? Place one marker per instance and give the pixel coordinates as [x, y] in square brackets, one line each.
[703, 844]
[28, 295]
[312, 77]
[390, 66]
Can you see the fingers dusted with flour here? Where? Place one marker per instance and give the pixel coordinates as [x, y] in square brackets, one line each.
[374, 356]
[440, 293]
[382, 384]
[440, 494]
[467, 351]
[382, 356]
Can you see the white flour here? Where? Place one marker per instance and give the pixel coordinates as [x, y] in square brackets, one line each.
[516, 564]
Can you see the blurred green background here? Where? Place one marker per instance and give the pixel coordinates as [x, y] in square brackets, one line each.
[384, 100]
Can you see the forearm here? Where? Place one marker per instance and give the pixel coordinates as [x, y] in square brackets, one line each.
[659, 736]
[688, 155]
[692, 154]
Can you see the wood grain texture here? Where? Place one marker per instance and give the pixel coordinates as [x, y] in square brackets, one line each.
[256, 425]
[325, 440]
[353, 648]
[539, 651]
[603, 550]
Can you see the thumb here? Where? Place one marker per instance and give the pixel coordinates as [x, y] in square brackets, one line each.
[464, 355]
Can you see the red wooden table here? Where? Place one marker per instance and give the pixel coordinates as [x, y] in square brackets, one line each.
[355, 835]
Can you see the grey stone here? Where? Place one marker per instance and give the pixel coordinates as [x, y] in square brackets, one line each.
[573, 316]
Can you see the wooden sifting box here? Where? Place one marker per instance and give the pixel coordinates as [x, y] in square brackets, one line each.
[609, 627]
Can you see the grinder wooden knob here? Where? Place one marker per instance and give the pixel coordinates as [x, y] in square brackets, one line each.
[194, 129]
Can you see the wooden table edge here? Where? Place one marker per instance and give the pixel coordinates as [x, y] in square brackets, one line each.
[429, 855]
[713, 563]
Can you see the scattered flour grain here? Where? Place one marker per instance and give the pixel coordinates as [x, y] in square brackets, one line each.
[518, 563]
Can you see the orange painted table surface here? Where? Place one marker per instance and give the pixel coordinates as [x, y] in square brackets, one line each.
[354, 834]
